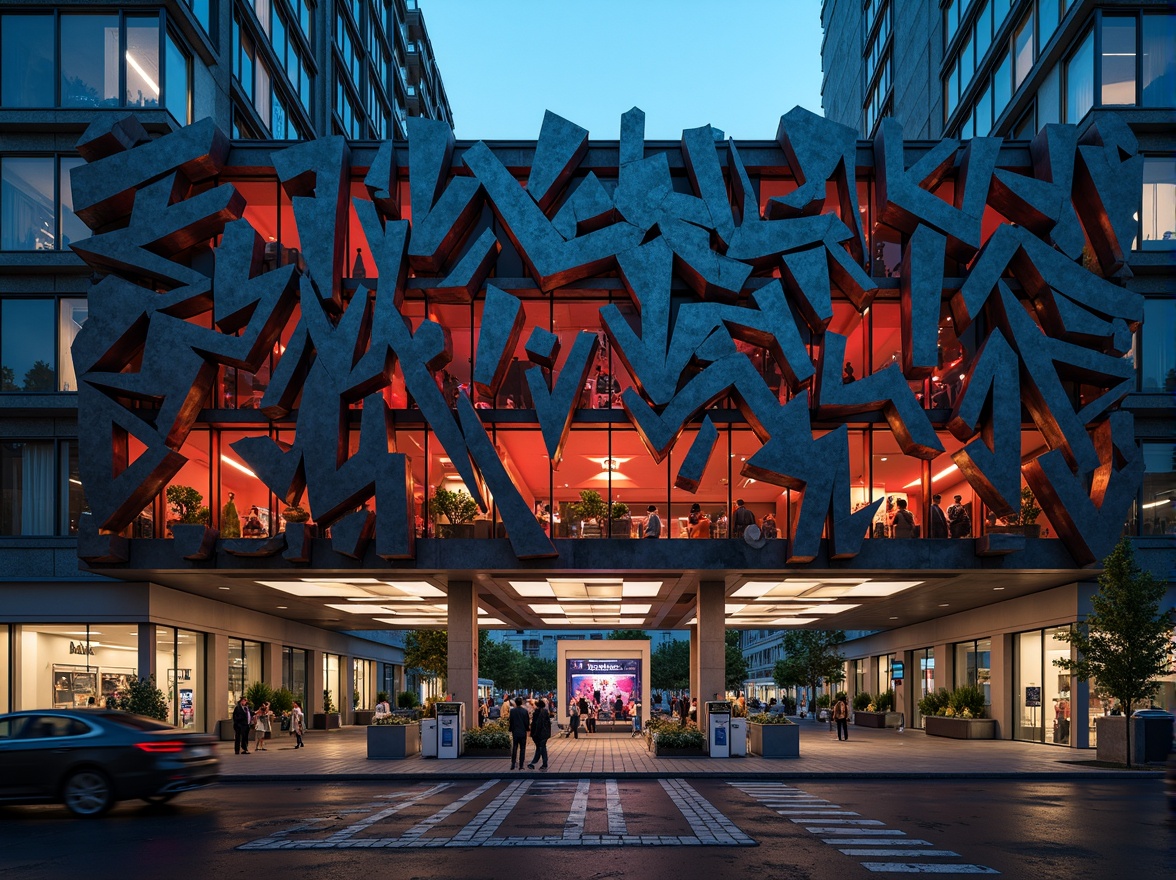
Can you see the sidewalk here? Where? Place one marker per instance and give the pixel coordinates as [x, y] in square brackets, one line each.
[869, 753]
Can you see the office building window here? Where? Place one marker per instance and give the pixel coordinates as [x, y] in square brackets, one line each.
[26, 61]
[1159, 489]
[142, 57]
[89, 70]
[33, 485]
[71, 315]
[177, 86]
[1155, 356]
[1080, 81]
[1048, 12]
[1118, 59]
[1023, 48]
[1158, 214]
[36, 204]
[1159, 61]
[27, 355]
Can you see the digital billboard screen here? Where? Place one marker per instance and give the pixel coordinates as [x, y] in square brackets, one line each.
[604, 680]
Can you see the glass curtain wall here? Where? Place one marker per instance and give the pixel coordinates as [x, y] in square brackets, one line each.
[332, 681]
[1042, 697]
[295, 669]
[924, 660]
[244, 669]
[179, 673]
[973, 665]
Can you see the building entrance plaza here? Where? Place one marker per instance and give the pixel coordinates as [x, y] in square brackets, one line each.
[611, 384]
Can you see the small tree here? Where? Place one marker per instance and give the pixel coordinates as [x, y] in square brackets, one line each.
[622, 635]
[1125, 641]
[1028, 513]
[427, 651]
[590, 506]
[736, 665]
[187, 504]
[142, 697]
[230, 521]
[810, 657]
[670, 666]
[259, 692]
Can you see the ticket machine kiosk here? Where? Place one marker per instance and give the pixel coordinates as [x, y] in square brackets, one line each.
[718, 725]
[450, 729]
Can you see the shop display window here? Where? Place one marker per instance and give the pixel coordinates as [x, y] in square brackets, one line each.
[295, 671]
[65, 666]
[363, 683]
[244, 669]
[924, 661]
[179, 673]
[332, 682]
[973, 666]
[1042, 702]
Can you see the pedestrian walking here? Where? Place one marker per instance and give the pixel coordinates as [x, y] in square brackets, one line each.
[262, 725]
[593, 710]
[540, 733]
[519, 722]
[574, 718]
[841, 717]
[297, 724]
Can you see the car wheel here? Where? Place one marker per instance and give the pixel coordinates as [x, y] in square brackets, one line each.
[160, 798]
[87, 793]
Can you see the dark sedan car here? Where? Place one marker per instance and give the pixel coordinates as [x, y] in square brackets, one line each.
[87, 759]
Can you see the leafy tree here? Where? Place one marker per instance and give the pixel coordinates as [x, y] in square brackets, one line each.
[7, 379]
[40, 377]
[1125, 641]
[627, 634]
[670, 666]
[736, 665]
[500, 662]
[810, 657]
[427, 651]
[187, 504]
[539, 675]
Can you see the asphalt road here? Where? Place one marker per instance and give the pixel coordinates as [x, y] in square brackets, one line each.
[566, 829]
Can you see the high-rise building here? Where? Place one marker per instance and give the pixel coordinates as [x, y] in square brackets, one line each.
[275, 70]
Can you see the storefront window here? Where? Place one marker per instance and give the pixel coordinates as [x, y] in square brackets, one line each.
[66, 666]
[924, 661]
[5, 669]
[885, 677]
[332, 681]
[859, 676]
[1042, 698]
[179, 673]
[973, 666]
[244, 669]
[363, 683]
[295, 666]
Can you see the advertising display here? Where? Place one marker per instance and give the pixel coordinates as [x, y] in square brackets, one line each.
[602, 681]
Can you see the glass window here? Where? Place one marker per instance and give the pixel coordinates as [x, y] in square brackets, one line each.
[1158, 368]
[295, 666]
[332, 681]
[983, 31]
[1049, 99]
[1159, 489]
[142, 55]
[1042, 691]
[73, 499]
[924, 659]
[177, 82]
[5, 702]
[27, 488]
[1080, 81]
[1159, 61]
[1047, 22]
[1118, 59]
[983, 113]
[1023, 47]
[179, 673]
[974, 666]
[202, 9]
[72, 229]
[1002, 87]
[244, 669]
[26, 61]
[27, 204]
[27, 356]
[71, 315]
[89, 70]
[67, 666]
[1158, 215]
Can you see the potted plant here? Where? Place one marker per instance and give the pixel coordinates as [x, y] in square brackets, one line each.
[393, 737]
[458, 509]
[1024, 521]
[879, 712]
[861, 701]
[407, 700]
[591, 510]
[189, 527]
[773, 736]
[620, 525]
[672, 741]
[329, 718]
[230, 521]
[492, 740]
[957, 714]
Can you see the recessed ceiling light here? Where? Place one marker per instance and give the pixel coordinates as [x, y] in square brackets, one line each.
[998, 589]
[944, 605]
[283, 607]
[224, 588]
[894, 618]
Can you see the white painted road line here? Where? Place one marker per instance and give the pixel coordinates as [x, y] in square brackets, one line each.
[874, 841]
[489, 818]
[899, 853]
[917, 868]
[574, 824]
[616, 813]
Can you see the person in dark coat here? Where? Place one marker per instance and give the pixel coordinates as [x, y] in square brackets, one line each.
[683, 708]
[574, 718]
[518, 722]
[540, 733]
[938, 519]
[242, 718]
[741, 519]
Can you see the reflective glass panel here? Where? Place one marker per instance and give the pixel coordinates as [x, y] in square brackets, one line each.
[1118, 60]
[26, 61]
[89, 70]
[27, 204]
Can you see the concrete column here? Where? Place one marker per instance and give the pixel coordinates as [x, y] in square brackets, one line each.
[1079, 712]
[146, 645]
[712, 645]
[347, 698]
[944, 667]
[271, 664]
[463, 648]
[16, 696]
[1001, 687]
[693, 661]
[314, 684]
[216, 684]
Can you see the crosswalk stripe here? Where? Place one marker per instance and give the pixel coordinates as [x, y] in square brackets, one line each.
[445, 812]
[574, 825]
[616, 813]
[352, 830]
[491, 816]
[917, 853]
[801, 821]
[874, 841]
[917, 868]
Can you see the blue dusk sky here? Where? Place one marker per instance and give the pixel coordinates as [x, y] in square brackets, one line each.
[735, 64]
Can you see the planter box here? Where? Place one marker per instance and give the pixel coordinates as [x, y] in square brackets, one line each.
[393, 741]
[224, 730]
[877, 719]
[663, 752]
[362, 717]
[1031, 531]
[450, 530]
[960, 728]
[323, 721]
[774, 740]
[620, 528]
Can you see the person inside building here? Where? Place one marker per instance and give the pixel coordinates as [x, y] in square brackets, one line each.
[652, 523]
[959, 521]
[938, 519]
[903, 522]
[741, 519]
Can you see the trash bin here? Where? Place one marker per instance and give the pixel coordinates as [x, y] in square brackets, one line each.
[738, 737]
[429, 737]
[1153, 734]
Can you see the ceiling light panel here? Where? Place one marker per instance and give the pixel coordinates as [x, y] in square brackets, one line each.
[532, 589]
[317, 590]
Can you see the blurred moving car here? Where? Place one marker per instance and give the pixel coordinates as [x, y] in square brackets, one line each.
[88, 759]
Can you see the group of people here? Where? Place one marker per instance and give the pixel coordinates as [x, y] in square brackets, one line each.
[258, 723]
[700, 525]
[520, 722]
[956, 523]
